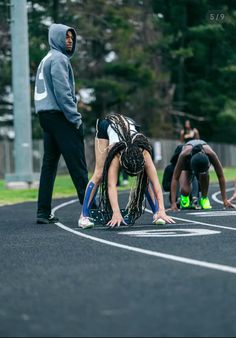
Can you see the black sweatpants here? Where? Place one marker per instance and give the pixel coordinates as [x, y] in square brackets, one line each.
[60, 138]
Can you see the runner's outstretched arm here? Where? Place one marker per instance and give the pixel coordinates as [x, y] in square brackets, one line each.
[152, 175]
[113, 173]
[234, 195]
[221, 178]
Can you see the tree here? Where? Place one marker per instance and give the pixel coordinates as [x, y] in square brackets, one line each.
[116, 60]
[5, 66]
[201, 54]
[156, 61]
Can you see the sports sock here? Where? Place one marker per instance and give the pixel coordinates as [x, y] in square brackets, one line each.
[86, 204]
[153, 203]
[92, 203]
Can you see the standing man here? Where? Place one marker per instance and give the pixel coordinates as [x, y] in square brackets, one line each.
[56, 105]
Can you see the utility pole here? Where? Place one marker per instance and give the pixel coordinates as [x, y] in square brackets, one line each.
[23, 175]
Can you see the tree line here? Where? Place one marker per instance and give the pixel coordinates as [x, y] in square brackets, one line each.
[157, 61]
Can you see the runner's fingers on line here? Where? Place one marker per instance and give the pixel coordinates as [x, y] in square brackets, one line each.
[164, 217]
[170, 209]
[113, 225]
[116, 221]
[232, 198]
[174, 207]
[168, 219]
[229, 205]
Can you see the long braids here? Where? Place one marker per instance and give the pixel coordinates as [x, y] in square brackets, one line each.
[132, 161]
[104, 196]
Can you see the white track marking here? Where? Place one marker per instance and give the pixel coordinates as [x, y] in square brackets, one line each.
[153, 233]
[223, 213]
[64, 205]
[185, 260]
[201, 223]
[215, 195]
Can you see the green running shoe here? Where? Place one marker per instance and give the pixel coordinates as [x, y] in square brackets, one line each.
[184, 202]
[205, 203]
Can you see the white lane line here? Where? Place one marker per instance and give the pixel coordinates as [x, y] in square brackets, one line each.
[179, 259]
[197, 222]
[64, 205]
[206, 224]
[215, 195]
[225, 213]
[185, 260]
[154, 233]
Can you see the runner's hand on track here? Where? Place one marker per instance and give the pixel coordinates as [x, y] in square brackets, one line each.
[228, 205]
[162, 215]
[233, 198]
[116, 220]
[174, 207]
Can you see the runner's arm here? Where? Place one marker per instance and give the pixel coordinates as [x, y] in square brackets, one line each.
[153, 178]
[220, 174]
[234, 195]
[177, 172]
[113, 173]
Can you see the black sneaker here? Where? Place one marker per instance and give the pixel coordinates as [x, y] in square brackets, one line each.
[47, 220]
[195, 204]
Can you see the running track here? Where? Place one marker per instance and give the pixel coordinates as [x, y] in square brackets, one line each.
[144, 281]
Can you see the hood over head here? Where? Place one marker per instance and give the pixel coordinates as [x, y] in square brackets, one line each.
[57, 38]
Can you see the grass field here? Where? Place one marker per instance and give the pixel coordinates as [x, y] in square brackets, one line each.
[64, 188]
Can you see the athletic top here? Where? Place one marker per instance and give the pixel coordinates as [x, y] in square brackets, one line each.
[189, 135]
[195, 143]
[197, 147]
[105, 130]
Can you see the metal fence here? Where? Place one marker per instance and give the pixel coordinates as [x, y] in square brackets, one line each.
[163, 150]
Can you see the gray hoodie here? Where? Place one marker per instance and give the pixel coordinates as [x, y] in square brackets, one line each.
[55, 85]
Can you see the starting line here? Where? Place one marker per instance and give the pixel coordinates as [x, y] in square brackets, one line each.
[170, 233]
[179, 259]
[214, 213]
[201, 223]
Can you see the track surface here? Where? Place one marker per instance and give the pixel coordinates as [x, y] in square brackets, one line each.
[144, 281]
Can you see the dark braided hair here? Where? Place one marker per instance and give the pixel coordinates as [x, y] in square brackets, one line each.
[130, 148]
